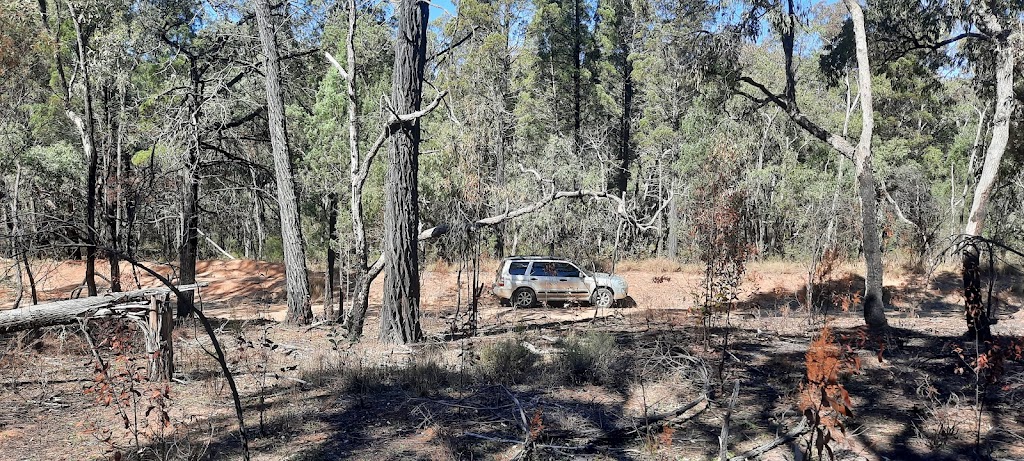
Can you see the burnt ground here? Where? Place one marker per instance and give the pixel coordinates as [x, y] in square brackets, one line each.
[648, 381]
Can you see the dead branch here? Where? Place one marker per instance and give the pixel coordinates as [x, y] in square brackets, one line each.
[723, 439]
[797, 431]
[128, 303]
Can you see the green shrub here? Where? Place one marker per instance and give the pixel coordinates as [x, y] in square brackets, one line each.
[506, 362]
[589, 358]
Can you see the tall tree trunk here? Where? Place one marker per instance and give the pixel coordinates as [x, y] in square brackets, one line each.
[400, 311]
[505, 126]
[111, 187]
[297, 281]
[978, 321]
[874, 308]
[87, 131]
[625, 122]
[330, 275]
[577, 75]
[188, 247]
[359, 168]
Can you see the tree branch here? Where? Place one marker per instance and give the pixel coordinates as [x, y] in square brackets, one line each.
[393, 125]
[837, 142]
[336, 64]
[454, 45]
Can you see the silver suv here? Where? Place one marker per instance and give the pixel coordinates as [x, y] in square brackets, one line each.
[525, 280]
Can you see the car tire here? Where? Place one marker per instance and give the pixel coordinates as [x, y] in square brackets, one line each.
[602, 298]
[523, 297]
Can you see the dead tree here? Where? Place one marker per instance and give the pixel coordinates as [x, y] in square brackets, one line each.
[147, 308]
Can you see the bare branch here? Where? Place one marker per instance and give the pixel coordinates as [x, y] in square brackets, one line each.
[839, 143]
[393, 125]
[896, 206]
[454, 45]
[336, 64]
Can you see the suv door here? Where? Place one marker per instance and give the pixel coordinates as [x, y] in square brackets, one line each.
[542, 279]
[569, 282]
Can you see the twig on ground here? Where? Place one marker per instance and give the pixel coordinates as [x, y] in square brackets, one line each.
[797, 431]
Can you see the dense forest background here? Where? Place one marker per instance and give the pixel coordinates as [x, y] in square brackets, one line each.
[141, 130]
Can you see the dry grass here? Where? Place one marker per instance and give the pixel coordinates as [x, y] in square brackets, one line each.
[591, 382]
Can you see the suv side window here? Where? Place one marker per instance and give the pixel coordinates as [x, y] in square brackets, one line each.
[567, 270]
[517, 268]
[543, 269]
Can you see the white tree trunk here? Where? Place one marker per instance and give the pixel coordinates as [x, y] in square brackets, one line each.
[874, 308]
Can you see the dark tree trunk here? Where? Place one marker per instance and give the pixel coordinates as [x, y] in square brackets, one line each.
[577, 71]
[330, 275]
[978, 321]
[625, 122]
[88, 134]
[299, 309]
[400, 311]
[111, 184]
[188, 251]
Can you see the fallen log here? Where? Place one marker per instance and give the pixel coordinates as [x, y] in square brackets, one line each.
[71, 310]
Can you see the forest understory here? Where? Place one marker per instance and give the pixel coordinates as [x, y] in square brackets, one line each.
[650, 380]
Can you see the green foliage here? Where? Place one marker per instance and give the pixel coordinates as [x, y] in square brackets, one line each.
[589, 358]
[507, 362]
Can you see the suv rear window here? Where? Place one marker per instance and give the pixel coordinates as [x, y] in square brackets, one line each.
[517, 268]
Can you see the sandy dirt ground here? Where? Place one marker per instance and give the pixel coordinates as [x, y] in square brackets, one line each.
[309, 394]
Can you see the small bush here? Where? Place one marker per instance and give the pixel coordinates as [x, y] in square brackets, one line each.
[506, 362]
[588, 358]
[421, 376]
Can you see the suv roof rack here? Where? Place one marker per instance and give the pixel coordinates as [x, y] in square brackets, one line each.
[532, 257]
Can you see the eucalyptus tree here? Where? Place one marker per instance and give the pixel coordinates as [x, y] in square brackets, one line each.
[1001, 29]
[989, 38]
[83, 22]
[368, 60]
[787, 25]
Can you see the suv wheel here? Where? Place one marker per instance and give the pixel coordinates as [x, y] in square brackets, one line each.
[603, 298]
[523, 297]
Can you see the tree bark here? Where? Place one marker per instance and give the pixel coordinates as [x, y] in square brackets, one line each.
[874, 308]
[330, 275]
[188, 247]
[978, 321]
[577, 76]
[72, 310]
[626, 120]
[297, 280]
[400, 311]
[87, 131]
